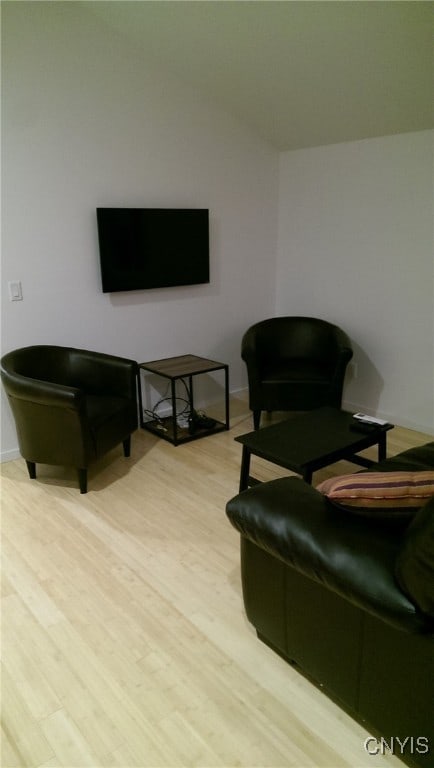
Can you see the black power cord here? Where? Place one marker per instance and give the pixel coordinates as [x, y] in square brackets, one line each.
[195, 420]
[155, 416]
[199, 420]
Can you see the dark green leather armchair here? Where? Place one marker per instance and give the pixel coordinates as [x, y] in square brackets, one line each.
[70, 406]
[294, 364]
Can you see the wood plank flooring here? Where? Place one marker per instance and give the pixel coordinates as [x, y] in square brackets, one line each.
[124, 640]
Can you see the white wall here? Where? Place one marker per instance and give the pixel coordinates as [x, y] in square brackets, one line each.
[87, 123]
[355, 246]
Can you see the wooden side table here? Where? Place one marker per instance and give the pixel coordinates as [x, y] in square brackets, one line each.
[184, 367]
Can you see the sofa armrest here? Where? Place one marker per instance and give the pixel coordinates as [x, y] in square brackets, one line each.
[415, 562]
[348, 554]
[415, 459]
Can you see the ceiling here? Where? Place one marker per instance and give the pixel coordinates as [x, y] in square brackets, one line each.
[300, 74]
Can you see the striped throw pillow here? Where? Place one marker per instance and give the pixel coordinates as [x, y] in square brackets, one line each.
[395, 494]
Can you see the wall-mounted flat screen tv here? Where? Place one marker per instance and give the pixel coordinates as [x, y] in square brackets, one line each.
[144, 248]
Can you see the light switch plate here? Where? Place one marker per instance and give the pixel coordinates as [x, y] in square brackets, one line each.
[15, 290]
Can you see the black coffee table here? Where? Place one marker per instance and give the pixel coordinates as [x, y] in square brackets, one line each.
[309, 442]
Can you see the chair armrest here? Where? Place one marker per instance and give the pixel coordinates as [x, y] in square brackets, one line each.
[342, 340]
[249, 353]
[344, 353]
[249, 346]
[42, 392]
[100, 373]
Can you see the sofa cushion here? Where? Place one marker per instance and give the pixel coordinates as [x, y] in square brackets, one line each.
[415, 562]
[380, 494]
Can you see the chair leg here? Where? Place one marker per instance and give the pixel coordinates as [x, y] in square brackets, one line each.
[127, 446]
[82, 480]
[256, 419]
[31, 467]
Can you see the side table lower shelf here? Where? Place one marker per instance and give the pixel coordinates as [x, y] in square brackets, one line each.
[164, 429]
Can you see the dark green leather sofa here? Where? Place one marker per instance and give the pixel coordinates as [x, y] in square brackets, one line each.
[71, 406]
[348, 600]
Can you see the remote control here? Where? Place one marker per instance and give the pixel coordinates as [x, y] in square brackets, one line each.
[363, 417]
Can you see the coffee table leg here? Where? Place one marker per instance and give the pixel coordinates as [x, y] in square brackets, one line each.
[245, 468]
[382, 446]
[307, 476]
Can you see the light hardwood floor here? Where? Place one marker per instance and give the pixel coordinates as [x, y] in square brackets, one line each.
[124, 640]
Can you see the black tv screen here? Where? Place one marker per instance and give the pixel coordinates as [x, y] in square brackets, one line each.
[152, 247]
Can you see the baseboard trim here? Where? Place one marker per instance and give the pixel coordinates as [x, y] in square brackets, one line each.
[397, 421]
[13, 454]
[10, 455]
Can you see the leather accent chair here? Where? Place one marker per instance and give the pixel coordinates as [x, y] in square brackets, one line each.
[294, 364]
[70, 406]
